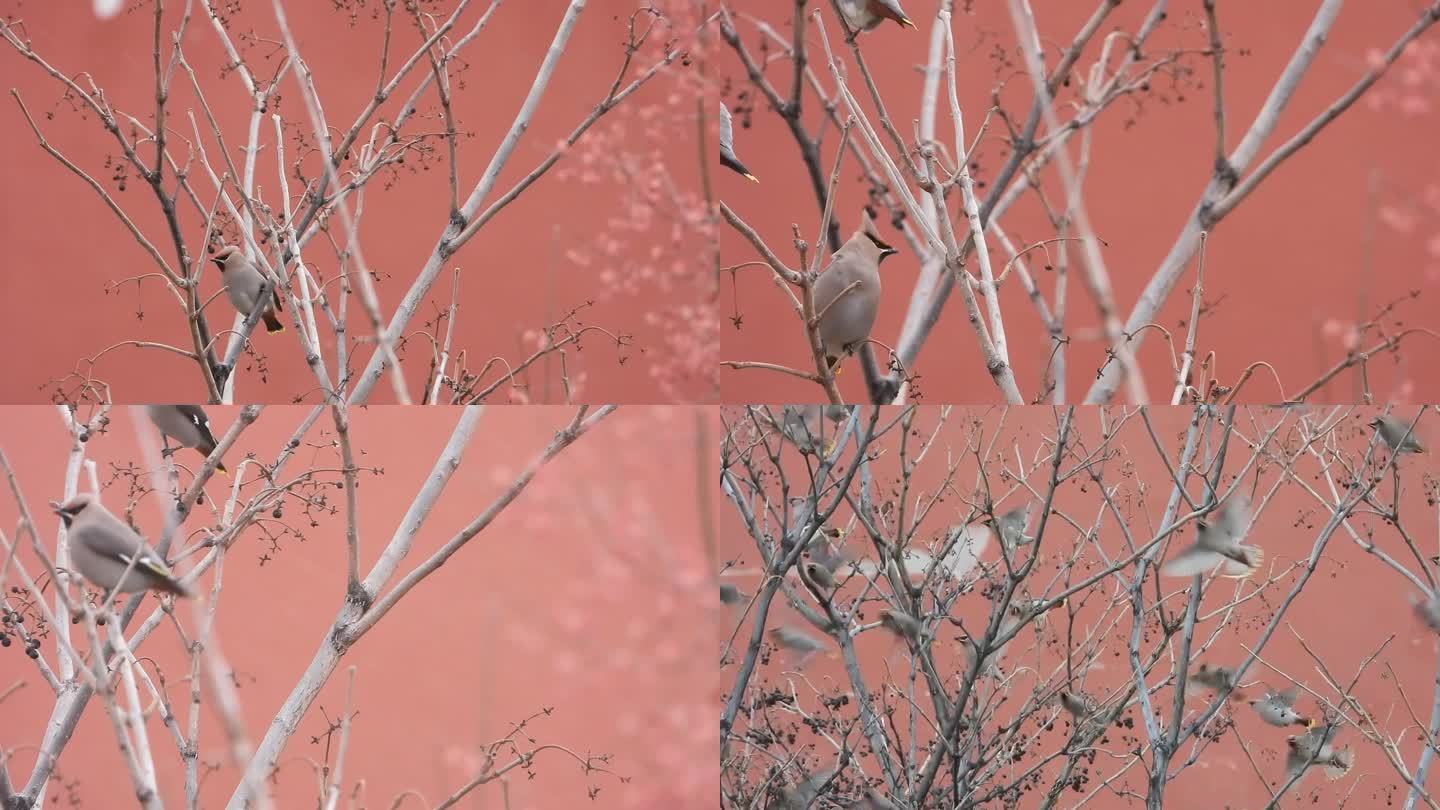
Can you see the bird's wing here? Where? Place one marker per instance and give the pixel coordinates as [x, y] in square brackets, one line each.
[1193, 560]
[196, 416]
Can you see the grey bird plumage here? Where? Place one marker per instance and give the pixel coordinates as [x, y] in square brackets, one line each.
[901, 624]
[1010, 527]
[866, 15]
[1078, 705]
[186, 424]
[798, 643]
[102, 548]
[1317, 747]
[1394, 433]
[1214, 679]
[1218, 542]
[845, 321]
[731, 595]
[820, 575]
[243, 283]
[727, 146]
[1278, 708]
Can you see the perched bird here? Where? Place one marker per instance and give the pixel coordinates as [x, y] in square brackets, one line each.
[731, 595]
[1079, 706]
[901, 623]
[727, 145]
[801, 425]
[187, 425]
[1278, 708]
[845, 321]
[866, 15]
[1217, 543]
[243, 282]
[824, 553]
[820, 575]
[1316, 747]
[798, 643]
[1397, 435]
[1214, 679]
[103, 547]
[1010, 527]
[1022, 609]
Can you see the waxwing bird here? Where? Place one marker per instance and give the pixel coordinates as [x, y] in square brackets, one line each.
[1217, 543]
[187, 425]
[847, 295]
[109, 554]
[820, 575]
[1316, 747]
[1278, 708]
[1089, 720]
[731, 595]
[1022, 609]
[802, 426]
[1079, 706]
[1397, 435]
[901, 623]
[243, 283]
[1010, 527]
[799, 644]
[866, 15]
[824, 553]
[1214, 679]
[727, 146]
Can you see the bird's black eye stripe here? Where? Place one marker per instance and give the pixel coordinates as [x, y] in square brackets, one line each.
[877, 241]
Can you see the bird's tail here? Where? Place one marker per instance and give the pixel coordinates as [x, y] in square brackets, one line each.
[206, 450]
[272, 323]
[161, 577]
[173, 585]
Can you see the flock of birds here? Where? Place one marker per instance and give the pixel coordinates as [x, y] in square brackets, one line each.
[1218, 547]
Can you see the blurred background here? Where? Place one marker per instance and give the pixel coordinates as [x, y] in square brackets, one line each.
[579, 598]
[1338, 232]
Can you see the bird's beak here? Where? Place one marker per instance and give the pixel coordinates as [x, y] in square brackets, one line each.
[220, 263]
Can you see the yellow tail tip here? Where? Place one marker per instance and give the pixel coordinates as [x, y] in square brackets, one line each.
[221, 469]
[905, 23]
[752, 178]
